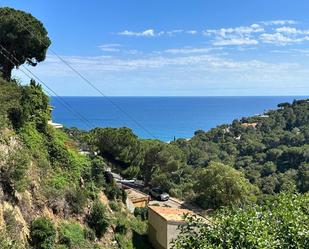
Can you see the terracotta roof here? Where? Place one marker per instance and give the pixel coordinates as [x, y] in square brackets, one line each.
[249, 124]
[170, 214]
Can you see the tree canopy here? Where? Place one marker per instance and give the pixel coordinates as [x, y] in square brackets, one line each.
[281, 222]
[22, 36]
[220, 185]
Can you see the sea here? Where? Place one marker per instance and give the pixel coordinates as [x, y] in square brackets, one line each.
[163, 118]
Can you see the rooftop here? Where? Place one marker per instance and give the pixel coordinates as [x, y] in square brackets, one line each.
[170, 214]
[134, 194]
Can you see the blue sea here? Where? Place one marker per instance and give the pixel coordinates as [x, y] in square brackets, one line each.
[164, 118]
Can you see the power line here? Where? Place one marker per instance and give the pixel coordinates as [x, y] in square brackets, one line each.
[63, 102]
[89, 82]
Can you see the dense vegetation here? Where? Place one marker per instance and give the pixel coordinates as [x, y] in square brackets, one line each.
[273, 153]
[281, 222]
[253, 173]
[51, 195]
[45, 165]
[252, 157]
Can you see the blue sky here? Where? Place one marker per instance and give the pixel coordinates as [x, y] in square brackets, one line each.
[175, 48]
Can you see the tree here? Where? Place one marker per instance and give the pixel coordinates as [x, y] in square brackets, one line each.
[35, 106]
[97, 219]
[280, 223]
[161, 158]
[220, 185]
[42, 233]
[119, 145]
[22, 36]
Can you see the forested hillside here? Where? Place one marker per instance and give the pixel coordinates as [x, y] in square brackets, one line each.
[271, 149]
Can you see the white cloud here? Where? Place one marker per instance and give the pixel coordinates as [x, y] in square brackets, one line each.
[152, 33]
[174, 32]
[242, 30]
[292, 30]
[235, 42]
[112, 47]
[280, 39]
[279, 22]
[191, 32]
[188, 50]
[145, 33]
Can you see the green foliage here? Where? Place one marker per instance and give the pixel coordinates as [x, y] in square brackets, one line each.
[98, 168]
[98, 219]
[220, 185]
[72, 235]
[15, 37]
[42, 233]
[141, 212]
[77, 199]
[35, 106]
[114, 206]
[161, 158]
[13, 173]
[280, 223]
[6, 242]
[119, 145]
[272, 155]
[10, 94]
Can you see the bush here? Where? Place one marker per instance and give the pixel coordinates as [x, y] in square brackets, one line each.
[113, 192]
[13, 173]
[98, 219]
[71, 234]
[77, 199]
[141, 212]
[121, 227]
[282, 222]
[42, 233]
[114, 206]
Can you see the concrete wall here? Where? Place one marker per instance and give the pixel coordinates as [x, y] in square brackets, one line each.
[172, 232]
[157, 230]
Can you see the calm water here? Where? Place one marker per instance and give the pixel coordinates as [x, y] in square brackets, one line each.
[163, 117]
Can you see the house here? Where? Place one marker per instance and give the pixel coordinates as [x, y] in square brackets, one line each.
[55, 125]
[253, 125]
[163, 223]
[50, 122]
[136, 199]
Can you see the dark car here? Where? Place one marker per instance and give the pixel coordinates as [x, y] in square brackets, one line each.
[159, 194]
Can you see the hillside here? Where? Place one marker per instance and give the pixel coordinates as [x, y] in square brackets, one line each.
[271, 149]
[50, 194]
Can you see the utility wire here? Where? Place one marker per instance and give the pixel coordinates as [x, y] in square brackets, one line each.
[88, 82]
[62, 101]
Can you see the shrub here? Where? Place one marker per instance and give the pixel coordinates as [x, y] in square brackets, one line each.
[98, 219]
[282, 222]
[121, 226]
[141, 212]
[113, 192]
[13, 174]
[42, 233]
[71, 234]
[89, 234]
[77, 199]
[114, 206]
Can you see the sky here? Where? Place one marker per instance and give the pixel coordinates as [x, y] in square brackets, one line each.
[174, 47]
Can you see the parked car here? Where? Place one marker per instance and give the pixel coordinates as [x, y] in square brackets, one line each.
[159, 194]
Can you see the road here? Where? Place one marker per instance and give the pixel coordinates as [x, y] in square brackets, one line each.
[172, 202]
[169, 203]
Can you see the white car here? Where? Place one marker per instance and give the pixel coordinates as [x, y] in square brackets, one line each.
[159, 194]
